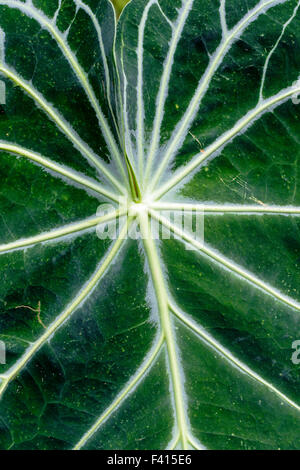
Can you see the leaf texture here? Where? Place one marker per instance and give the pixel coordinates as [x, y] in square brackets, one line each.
[146, 343]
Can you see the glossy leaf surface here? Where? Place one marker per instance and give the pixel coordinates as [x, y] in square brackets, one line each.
[180, 107]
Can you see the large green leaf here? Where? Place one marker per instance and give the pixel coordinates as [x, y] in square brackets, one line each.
[149, 343]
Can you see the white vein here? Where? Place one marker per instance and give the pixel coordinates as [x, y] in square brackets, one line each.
[195, 443]
[75, 229]
[266, 65]
[226, 354]
[164, 84]
[124, 394]
[226, 208]
[153, 258]
[58, 169]
[226, 263]
[60, 122]
[98, 29]
[164, 15]
[81, 297]
[239, 128]
[127, 134]
[176, 374]
[180, 131]
[222, 12]
[140, 115]
[44, 21]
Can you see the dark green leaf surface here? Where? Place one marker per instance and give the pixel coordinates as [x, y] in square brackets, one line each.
[128, 343]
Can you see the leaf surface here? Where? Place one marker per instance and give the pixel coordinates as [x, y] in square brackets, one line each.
[133, 342]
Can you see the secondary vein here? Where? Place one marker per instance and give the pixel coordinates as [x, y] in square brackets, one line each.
[228, 356]
[65, 315]
[81, 75]
[61, 123]
[223, 261]
[74, 228]
[241, 126]
[59, 169]
[123, 395]
[167, 327]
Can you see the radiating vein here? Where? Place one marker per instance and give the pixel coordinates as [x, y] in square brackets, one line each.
[46, 23]
[140, 116]
[222, 13]
[129, 388]
[195, 444]
[265, 69]
[174, 442]
[164, 15]
[185, 123]
[224, 208]
[224, 352]
[74, 228]
[60, 122]
[226, 263]
[65, 315]
[127, 143]
[98, 29]
[240, 127]
[167, 327]
[164, 83]
[59, 169]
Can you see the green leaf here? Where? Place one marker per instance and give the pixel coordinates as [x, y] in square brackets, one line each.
[153, 338]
